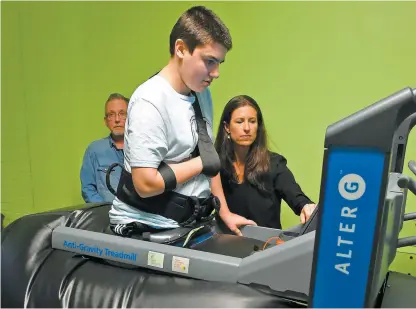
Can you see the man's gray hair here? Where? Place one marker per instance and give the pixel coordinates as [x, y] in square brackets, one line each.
[114, 96]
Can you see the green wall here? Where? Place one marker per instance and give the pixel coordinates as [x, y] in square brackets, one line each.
[308, 64]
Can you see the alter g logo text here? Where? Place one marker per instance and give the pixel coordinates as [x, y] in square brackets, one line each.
[351, 187]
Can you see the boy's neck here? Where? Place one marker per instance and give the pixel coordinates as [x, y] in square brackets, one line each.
[171, 73]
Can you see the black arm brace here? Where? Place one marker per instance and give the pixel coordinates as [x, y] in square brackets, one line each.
[168, 176]
[165, 171]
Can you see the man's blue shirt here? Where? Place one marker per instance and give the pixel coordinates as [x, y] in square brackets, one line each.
[98, 157]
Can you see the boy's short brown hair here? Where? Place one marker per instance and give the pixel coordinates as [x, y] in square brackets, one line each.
[199, 26]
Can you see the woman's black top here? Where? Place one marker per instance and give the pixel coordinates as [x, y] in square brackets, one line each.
[263, 207]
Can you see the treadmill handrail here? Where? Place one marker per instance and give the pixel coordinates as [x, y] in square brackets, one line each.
[398, 148]
[375, 125]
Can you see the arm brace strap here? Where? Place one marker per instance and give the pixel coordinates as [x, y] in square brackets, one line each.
[168, 176]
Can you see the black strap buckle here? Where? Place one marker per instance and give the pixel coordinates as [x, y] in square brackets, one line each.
[200, 215]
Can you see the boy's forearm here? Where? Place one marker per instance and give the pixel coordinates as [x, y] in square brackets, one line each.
[186, 170]
[151, 182]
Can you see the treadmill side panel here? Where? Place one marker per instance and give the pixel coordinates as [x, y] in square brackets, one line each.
[169, 259]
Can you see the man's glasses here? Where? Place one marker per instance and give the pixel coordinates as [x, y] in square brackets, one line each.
[112, 116]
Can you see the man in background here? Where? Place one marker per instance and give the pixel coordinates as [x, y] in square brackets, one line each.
[101, 153]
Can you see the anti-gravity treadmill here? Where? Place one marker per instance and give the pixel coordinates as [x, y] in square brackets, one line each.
[67, 258]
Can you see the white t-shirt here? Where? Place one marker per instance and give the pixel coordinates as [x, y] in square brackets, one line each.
[161, 126]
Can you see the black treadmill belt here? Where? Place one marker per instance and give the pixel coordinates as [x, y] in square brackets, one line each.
[231, 245]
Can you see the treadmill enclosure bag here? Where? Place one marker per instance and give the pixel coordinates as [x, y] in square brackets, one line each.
[35, 275]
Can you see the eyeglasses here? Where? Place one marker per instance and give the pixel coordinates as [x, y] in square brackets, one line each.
[112, 116]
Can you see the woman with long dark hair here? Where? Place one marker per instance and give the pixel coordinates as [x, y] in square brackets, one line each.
[254, 179]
